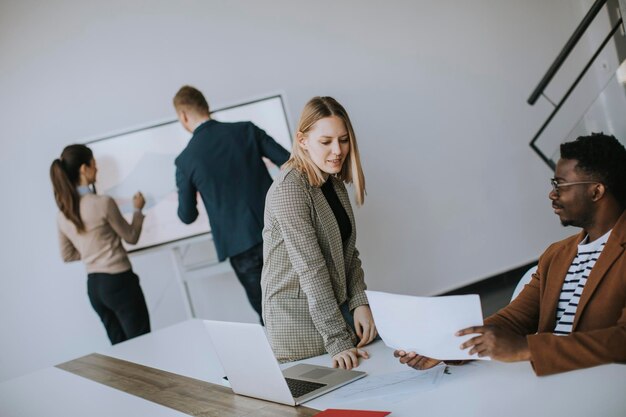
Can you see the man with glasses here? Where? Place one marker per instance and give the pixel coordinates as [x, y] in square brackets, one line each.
[572, 314]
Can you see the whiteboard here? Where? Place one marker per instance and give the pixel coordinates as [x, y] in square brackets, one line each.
[143, 160]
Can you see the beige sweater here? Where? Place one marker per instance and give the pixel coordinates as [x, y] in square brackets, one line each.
[100, 245]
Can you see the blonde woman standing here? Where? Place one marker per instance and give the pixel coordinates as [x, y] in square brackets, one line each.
[91, 229]
[313, 288]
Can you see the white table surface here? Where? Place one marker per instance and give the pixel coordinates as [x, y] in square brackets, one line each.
[481, 388]
[477, 389]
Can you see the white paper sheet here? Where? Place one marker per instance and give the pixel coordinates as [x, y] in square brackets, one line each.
[393, 387]
[426, 325]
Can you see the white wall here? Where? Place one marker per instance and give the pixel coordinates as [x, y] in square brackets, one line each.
[608, 111]
[436, 91]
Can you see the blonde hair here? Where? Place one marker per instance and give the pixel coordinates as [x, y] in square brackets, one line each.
[351, 172]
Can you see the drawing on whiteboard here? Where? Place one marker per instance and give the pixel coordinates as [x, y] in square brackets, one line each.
[143, 160]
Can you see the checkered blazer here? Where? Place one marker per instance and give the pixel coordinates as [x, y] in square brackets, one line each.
[307, 271]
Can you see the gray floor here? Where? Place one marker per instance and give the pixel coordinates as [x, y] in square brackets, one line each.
[493, 300]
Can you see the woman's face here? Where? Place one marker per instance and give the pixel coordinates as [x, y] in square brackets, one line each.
[327, 144]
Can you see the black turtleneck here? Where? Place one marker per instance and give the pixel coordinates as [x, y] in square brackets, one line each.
[341, 216]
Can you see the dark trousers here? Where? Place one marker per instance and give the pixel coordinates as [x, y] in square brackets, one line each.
[347, 315]
[119, 301]
[248, 266]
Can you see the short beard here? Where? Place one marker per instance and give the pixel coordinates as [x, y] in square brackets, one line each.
[582, 223]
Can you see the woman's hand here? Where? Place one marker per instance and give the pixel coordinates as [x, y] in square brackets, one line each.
[415, 361]
[364, 325]
[138, 201]
[349, 358]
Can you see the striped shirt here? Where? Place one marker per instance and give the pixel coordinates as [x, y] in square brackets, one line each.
[575, 280]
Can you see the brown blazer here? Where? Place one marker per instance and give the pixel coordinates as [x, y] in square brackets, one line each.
[599, 330]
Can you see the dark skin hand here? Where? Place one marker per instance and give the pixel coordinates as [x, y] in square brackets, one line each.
[415, 361]
[497, 343]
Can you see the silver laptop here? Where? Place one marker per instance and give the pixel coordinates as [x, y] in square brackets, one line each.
[252, 369]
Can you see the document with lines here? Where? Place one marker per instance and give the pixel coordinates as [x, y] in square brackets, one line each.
[426, 325]
[391, 386]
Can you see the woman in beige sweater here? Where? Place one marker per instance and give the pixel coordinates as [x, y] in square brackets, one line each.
[91, 229]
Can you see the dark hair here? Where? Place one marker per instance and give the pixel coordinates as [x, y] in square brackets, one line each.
[191, 98]
[603, 157]
[65, 174]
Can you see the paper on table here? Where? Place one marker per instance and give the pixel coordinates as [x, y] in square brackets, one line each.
[426, 325]
[401, 384]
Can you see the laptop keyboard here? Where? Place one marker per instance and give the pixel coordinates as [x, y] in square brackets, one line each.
[299, 387]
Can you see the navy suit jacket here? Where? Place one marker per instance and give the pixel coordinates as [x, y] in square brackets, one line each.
[223, 163]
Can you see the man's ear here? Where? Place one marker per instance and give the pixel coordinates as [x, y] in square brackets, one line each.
[599, 190]
[301, 140]
[183, 118]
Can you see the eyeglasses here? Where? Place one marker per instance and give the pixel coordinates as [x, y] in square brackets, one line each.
[557, 185]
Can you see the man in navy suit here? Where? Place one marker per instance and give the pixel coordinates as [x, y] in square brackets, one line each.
[223, 162]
